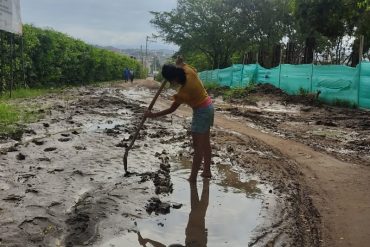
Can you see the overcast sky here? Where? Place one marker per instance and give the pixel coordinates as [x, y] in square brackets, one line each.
[119, 23]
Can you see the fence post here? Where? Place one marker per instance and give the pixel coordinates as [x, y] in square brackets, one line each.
[218, 79]
[279, 75]
[361, 50]
[311, 78]
[11, 64]
[22, 58]
[232, 75]
[281, 58]
[241, 75]
[2, 63]
[359, 83]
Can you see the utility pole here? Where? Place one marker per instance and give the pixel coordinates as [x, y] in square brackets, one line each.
[141, 54]
[154, 64]
[146, 51]
[11, 64]
[361, 48]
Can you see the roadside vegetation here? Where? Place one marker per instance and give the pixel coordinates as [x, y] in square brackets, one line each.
[13, 117]
[230, 94]
[21, 93]
[51, 62]
[53, 59]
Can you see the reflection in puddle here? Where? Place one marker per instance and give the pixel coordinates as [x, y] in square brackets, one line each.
[223, 211]
[231, 181]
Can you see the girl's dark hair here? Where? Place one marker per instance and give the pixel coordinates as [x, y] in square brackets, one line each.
[172, 73]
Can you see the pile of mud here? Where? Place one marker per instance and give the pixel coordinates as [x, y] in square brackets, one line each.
[266, 88]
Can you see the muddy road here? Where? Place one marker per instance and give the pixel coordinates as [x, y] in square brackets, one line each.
[63, 183]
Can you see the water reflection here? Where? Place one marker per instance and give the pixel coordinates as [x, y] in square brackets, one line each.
[224, 212]
[196, 231]
[231, 180]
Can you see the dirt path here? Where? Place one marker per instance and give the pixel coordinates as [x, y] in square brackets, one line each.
[63, 184]
[339, 190]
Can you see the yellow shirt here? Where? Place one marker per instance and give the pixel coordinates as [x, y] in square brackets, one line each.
[193, 92]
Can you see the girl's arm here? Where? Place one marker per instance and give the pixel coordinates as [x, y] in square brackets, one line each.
[172, 108]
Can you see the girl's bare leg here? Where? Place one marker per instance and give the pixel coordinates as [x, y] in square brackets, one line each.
[207, 154]
[198, 156]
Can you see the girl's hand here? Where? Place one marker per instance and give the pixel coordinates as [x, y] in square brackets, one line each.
[148, 114]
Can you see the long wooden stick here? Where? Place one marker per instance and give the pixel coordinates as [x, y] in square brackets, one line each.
[141, 125]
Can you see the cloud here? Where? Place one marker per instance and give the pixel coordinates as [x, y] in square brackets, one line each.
[110, 22]
[107, 37]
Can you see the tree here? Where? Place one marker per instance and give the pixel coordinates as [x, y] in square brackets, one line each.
[333, 20]
[224, 29]
[262, 24]
[215, 33]
[206, 26]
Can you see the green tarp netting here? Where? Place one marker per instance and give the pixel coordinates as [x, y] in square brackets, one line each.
[335, 82]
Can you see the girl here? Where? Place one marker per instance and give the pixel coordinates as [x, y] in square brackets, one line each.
[192, 93]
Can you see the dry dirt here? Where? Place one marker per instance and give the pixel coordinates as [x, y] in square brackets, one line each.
[63, 184]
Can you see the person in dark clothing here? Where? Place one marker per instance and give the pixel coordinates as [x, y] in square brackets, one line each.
[126, 75]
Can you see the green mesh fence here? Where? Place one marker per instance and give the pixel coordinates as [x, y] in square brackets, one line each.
[364, 88]
[335, 82]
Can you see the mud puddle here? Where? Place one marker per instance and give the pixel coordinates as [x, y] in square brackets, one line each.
[223, 211]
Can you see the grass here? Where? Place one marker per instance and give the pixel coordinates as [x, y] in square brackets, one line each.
[235, 93]
[344, 103]
[212, 85]
[14, 115]
[303, 92]
[8, 114]
[228, 93]
[22, 93]
[239, 93]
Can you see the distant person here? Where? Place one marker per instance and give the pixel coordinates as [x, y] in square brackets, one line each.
[132, 75]
[126, 74]
[192, 93]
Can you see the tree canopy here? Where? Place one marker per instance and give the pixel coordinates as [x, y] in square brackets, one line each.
[218, 32]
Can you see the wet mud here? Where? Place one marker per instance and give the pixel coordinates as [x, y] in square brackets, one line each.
[63, 183]
[341, 132]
